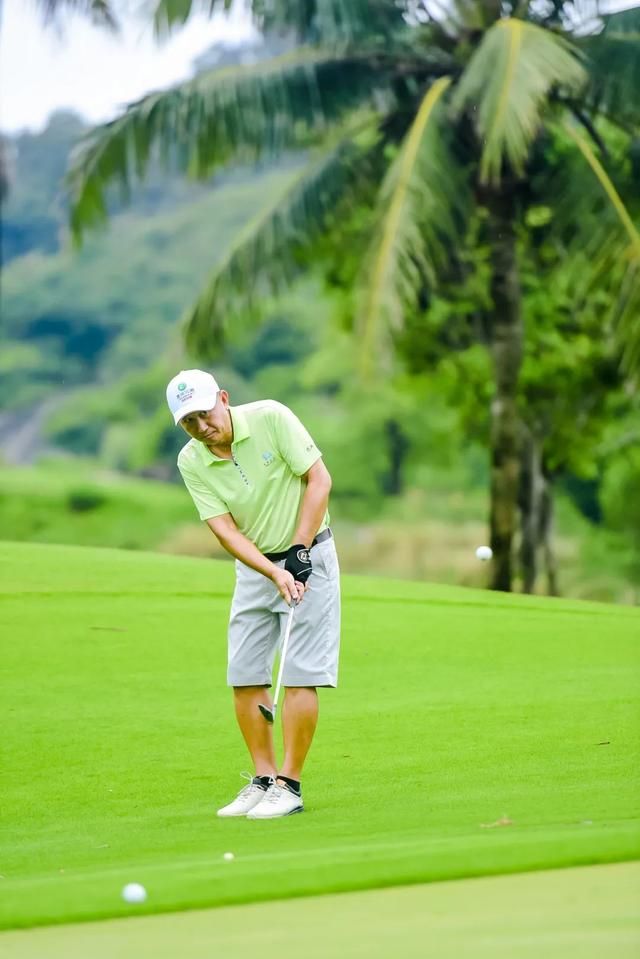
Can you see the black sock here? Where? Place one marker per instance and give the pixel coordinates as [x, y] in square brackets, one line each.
[264, 781]
[293, 784]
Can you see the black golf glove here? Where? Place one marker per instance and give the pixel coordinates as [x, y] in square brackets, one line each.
[298, 563]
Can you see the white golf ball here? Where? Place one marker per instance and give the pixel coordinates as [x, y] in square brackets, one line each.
[134, 892]
[228, 856]
[484, 553]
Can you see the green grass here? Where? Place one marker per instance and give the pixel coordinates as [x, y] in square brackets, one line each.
[423, 535]
[456, 708]
[588, 912]
[78, 503]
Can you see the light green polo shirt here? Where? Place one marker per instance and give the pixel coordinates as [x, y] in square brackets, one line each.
[261, 485]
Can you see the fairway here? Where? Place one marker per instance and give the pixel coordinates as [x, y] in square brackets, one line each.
[473, 733]
[587, 913]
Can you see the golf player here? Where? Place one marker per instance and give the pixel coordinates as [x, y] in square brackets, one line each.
[258, 481]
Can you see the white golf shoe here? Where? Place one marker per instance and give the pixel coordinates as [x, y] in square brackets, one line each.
[248, 797]
[277, 801]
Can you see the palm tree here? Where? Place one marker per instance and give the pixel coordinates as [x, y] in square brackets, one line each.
[100, 12]
[442, 107]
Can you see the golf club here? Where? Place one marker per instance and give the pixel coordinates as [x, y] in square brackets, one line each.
[270, 713]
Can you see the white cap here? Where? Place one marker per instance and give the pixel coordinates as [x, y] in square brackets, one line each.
[189, 391]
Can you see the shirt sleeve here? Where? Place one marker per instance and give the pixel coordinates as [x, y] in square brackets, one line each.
[205, 500]
[292, 440]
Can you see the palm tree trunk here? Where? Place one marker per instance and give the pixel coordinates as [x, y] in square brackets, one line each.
[546, 535]
[530, 494]
[506, 347]
[398, 446]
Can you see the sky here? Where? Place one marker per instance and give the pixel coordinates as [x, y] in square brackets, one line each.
[84, 68]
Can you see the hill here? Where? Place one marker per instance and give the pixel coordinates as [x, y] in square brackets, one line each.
[92, 317]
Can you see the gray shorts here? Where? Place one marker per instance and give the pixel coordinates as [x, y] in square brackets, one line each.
[256, 626]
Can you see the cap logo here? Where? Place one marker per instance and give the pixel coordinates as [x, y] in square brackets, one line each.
[181, 387]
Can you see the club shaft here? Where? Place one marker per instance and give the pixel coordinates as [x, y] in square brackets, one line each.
[285, 643]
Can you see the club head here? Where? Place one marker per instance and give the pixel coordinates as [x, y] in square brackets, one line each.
[267, 712]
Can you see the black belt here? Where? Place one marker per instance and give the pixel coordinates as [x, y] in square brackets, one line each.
[320, 538]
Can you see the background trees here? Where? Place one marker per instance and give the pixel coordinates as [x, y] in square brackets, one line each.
[472, 108]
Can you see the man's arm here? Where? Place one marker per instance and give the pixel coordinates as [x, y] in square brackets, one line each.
[314, 503]
[236, 543]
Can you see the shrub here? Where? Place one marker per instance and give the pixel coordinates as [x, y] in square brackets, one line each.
[84, 499]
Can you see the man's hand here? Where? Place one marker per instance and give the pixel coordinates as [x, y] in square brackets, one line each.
[290, 591]
[298, 563]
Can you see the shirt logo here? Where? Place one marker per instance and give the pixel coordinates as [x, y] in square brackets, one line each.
[268, 458]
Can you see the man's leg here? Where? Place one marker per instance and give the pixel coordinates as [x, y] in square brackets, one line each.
[258, 734]
[299, 721]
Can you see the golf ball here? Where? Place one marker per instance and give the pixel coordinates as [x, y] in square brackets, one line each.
[134, 892]
[484, 553]
[228, 856]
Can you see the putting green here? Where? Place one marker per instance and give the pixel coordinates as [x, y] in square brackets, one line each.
[587, 913]
[472, 734]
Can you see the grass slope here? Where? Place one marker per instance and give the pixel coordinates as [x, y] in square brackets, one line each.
[456, 708]
[77, 503]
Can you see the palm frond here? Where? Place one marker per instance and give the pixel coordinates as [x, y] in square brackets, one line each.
[624, 21]
[269, 254]
[613, 61]
[422, 207]
[174, 13]
[332, 23]
[457, 17]
[237, 113]
[506, 86]
[615, 249]
[329, 23]
[101, 12]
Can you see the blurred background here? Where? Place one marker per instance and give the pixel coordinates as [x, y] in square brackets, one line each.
[248, 252]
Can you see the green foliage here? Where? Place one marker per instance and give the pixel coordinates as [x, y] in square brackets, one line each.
[506, 86]
[432, 289]
[100, 314]
[268, 253]
[572, 386]
[220, 115]
[75, 503]
[78, 424]
[509, 76]
[329, 22]
[279, 341]
[33, 214]
[614, 67]
[620, 497]
[423, 202]
[84, 499]
[620, 258]
[101, 12]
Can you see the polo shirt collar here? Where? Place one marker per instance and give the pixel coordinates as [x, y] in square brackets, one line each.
[241, 432]
[241, 429]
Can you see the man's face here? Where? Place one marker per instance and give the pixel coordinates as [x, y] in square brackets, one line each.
[211, 427]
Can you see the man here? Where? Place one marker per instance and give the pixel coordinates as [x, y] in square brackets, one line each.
[258, 481]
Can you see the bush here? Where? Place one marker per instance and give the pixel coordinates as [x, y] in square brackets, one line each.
[85, 499]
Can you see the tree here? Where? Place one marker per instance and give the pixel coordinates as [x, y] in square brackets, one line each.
[444, 107]
[100, 12]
